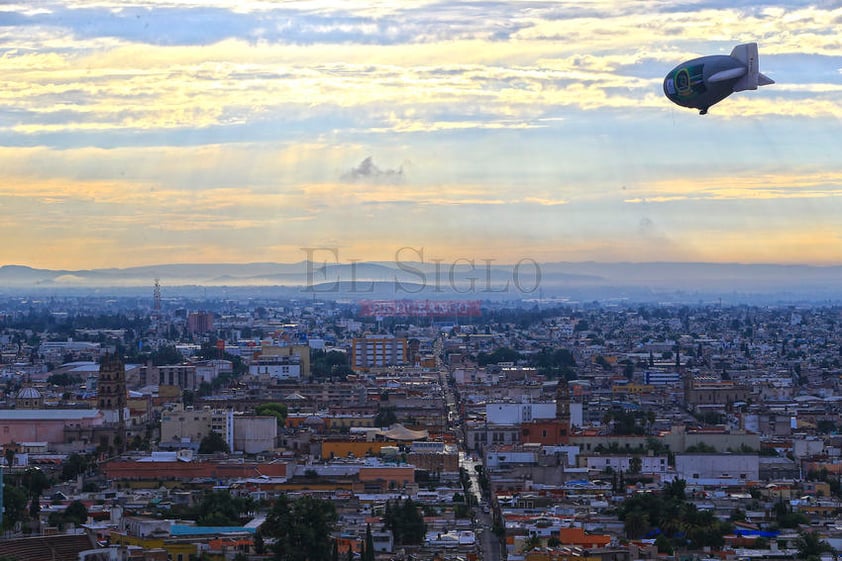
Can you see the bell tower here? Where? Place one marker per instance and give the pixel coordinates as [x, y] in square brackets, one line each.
[111, 391]
[562, 406]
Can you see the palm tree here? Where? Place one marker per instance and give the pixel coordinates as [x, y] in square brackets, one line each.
[636, 523]
[532, 542]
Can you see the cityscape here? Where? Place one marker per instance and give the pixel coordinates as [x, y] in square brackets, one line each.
[428, 280]
[171, 427]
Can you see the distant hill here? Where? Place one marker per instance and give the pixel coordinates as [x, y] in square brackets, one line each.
[665, 281]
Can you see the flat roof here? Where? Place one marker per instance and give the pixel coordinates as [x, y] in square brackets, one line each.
[186, 530]
[47, 414]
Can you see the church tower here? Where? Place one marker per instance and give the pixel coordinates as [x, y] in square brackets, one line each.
[111, 390]
[562, 406]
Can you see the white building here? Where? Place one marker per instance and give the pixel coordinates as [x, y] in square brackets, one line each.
[717, 469]
[661, 378]
[622, 462]
[255, 434]
[517, 413]
[277, 367]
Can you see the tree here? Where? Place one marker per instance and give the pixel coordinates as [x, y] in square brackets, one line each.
[73, 466]
[664, 545]
[635, 464]
[63, 379]
[330, 364]
[35, 482]
[811, 546]
[14, 505]
[76, 512]
[530, 543]
[213, 443]
[635, 524]
[166, 355]
[220, 508]
[368, 551]
[503, 354]
[273, 409]
[259, 543]
[385, 417]
[554, 363]
[406, 521]
[674, 517]
[301, 528]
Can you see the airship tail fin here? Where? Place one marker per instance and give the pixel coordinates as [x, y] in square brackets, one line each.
[747, 54]
[763, 80]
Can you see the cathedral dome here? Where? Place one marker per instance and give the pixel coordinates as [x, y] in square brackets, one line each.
[29, 393]
[29, 398]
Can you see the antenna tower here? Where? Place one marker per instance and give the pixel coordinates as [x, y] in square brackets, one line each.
[156, 307]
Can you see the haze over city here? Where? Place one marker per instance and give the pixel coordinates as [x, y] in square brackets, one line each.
[139, 133]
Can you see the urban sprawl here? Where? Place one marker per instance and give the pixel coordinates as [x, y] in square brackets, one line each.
[179, 429]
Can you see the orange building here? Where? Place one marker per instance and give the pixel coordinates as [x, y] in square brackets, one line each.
[578, 537]
[345, 448]
[549, 432]
[396, 476]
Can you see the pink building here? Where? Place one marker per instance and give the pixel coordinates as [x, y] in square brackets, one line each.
[45, 425]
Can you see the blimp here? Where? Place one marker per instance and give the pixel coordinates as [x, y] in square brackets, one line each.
[705, 81]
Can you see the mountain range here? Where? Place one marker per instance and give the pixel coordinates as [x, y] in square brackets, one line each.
[527, 280]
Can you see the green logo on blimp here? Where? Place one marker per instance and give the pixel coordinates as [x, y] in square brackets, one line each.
[689, 81]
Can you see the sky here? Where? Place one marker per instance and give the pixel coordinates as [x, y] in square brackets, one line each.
[232, 132]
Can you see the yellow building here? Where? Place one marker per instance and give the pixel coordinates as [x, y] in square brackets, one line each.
[177, 550]
[301, 351]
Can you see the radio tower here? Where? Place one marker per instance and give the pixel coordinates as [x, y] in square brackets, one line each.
[156, 308]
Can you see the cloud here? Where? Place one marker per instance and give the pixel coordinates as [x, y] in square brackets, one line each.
[230, 121]
[368, 172]
[782, 185]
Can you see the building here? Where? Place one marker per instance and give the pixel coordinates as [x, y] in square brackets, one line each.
[182, 376]
[255, 434]
[58, 351]
[112, 397]
[717, 469]
[111, 385]
[189, 426]
[518, 413]
[166, 466]
[300, 352]
[723, 393]
[199, 323]
[29, 398]
[46, 425]
[277, 367]
[378, 351]
[208, 370]
[661, 378]
[623, 463]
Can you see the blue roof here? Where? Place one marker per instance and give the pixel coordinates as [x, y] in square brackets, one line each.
[187, 530]
[756, 533]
